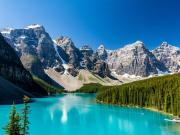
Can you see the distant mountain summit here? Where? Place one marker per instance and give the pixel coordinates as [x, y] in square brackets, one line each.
[93, 62]
[134, 59]
[35, 26]
[169, 55]
[102, 52]
[71, 54]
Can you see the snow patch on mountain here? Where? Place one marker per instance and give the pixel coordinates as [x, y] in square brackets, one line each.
[55, 47]
[22, 37]
[85, 47]
[65, 65]
[109, 51]
[131, 76]
[6, 31]
[133, 45]
[101, 49]
[102, 53]
[161, 72]
[33, 26]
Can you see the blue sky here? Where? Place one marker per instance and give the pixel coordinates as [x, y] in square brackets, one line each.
[113, 23]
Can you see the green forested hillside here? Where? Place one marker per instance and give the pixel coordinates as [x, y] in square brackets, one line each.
[162, 93]
[49, 88]
[89, 88]
[92, 88]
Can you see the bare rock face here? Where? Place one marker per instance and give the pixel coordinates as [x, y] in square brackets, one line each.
[92, 61]
[83, 58]
[101, 68]
[67, 50]
[102, 52]
[35, 48]
[73, 71]
[87, 57]
[169, 55]
[12, 70]
[134, 59]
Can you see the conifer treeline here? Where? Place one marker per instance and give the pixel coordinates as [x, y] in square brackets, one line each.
[162, 93]
[89, 88]
[49, 88]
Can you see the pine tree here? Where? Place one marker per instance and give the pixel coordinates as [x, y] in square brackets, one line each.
[25, 112]
[18, 125]
[13, 127]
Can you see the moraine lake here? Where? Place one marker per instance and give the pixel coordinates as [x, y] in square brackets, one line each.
[79, 114]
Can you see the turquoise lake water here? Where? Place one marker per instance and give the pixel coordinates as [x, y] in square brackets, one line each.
[79, 114]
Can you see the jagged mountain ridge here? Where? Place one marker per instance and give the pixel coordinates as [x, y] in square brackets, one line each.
[38, 52]
[102, 52]
[162, 60]
[93, 62]
[135, 59]
[169, 55]
[69, 54]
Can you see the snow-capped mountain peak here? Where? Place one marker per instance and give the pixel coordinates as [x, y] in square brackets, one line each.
[6, 30]
[33, 26]
[134, 59]
[101, 47]
[63, 41]
[134, 45]
[164, 43]
[169, 55]
[138, 42]
[85, 47]
[168, 47]
[102, 52]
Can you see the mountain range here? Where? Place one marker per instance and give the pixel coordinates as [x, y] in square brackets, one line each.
[60, 63]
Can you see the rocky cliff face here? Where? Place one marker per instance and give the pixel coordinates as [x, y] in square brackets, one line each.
[102, 52]
[68, 51]
[35, 48]
[83, 58]
[87, 57]
[169, 55]
[101, 68]
[134, 59]
[69, 54]
[91, 60]
[12, 70]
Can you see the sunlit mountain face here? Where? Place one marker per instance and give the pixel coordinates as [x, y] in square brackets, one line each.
[59, 61]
